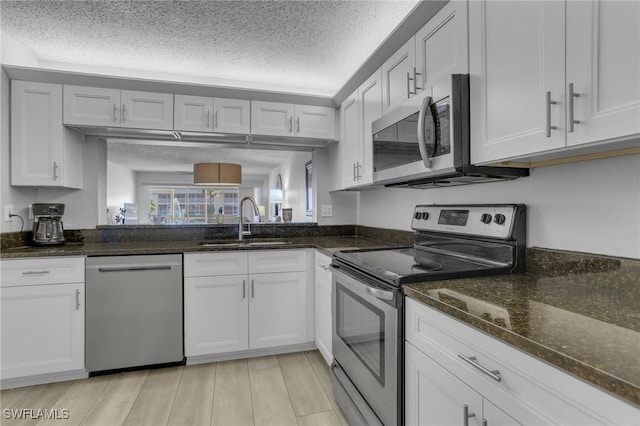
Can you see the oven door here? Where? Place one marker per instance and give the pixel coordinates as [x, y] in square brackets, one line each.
[366, 344]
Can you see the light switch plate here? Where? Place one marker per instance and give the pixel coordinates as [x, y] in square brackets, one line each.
[326, 210]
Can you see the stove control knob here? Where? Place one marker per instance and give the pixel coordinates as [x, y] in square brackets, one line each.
[485, 218]
[417, 216]
[425, 215]
[499, 219]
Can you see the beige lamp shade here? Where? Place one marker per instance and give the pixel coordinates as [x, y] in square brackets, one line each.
[217, 174]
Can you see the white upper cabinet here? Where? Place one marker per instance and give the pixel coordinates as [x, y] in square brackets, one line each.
[272, 118]
[193, 113]
[603, 67]
[315, 122]
[526, 60]
[278, 119]
[147, 110]
[206, 114]
[398, 77]
[91, 106]
[370, 109]
[43, 152]
[349, 140]
[442, 45]
[231, 115]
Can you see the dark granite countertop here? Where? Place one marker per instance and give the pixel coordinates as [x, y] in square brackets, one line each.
[580, 313]
[327, 244]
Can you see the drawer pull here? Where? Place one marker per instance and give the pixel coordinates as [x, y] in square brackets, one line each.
[494, 374]
[325, 267]
[77, 300]
[36, 272]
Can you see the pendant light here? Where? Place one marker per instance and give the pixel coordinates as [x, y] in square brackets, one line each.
[217, 174]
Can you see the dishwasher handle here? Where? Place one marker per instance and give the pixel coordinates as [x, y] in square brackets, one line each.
[136, 268]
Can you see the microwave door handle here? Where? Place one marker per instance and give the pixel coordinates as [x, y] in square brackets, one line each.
[425, 118]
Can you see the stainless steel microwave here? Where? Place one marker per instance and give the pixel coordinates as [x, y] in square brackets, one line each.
[425, 142]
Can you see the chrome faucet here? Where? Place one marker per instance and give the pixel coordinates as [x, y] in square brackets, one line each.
[241, 231]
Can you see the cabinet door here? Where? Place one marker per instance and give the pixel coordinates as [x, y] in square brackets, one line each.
[278, 309]
[315, 122]
[349, 143]
[36, 133]
[42, 329]
[397, 73]
[323, 307]
[433, 396]
[603, 64]
[442, 45]
[147, 110]
[215, 314]
[231, 115]
[370, 109]
[271, 118]
[91, 106]
[193, 113]
[516, 60]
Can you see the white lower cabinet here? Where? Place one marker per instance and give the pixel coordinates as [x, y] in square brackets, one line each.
[323, 306]
[439, 383]
[236, 301]
[42, 310]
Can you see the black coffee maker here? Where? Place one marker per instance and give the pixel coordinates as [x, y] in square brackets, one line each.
[47, 224]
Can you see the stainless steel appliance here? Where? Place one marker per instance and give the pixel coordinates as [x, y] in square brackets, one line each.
[47, 224]
[133, 311]
[425, 142]
[450, 241]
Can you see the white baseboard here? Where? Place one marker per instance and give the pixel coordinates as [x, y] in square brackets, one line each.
[202, 359]
[41, 379]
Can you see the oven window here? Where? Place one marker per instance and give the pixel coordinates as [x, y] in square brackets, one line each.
[360, 325]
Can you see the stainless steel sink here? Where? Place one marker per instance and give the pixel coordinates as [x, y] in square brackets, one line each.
[265, 243]
[229, 244]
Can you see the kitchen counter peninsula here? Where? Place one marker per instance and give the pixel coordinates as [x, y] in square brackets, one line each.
[578, 312]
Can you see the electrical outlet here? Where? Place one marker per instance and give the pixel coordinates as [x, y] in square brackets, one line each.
[326, 210]
[8, 209]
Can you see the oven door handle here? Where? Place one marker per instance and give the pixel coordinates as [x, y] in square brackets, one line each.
[426, 119]
[364, 288]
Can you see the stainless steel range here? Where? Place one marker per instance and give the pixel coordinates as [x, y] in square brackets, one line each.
[450, 241]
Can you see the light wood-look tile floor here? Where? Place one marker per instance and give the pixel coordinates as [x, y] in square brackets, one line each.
[290, 389]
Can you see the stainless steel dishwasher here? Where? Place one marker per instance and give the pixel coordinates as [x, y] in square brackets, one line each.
[133, 311]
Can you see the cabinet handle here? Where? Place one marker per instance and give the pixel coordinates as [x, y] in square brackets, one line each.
[55, 170]
[215, 119]
[244, 289]
[253, 290]
[298, 125]
[359, 171]
[77, 299]
[115, 113]
[494, 374]
[135, 268]
[572, 95]
[549, 103]
[485, 422]
[409, 92]
[124, 113]
[415, 80]
[466, 415]
[354, 171]
[325, 267]
[36, 273]
[208, 118]
[290, 124]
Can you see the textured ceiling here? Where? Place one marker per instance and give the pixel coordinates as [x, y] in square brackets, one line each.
[309, 47]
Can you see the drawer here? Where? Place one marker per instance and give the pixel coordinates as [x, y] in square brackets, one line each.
[277, 261]
[322, 265]
[529, 380]
[221, 263]
[41, 270]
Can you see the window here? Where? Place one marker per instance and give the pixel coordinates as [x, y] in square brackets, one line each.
[186, 204]
[309, 188]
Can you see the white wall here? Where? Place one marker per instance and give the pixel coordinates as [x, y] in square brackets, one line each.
[591, 206]
[121, 188]
[292, 172]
